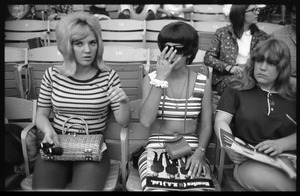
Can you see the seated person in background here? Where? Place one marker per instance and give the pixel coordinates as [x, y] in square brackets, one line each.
[172, 11]
[98, 9]
[230, 48]
[261, 105]
[138, 11]
[20, 11]
[55, 12]
[175, 98]
[83, 86]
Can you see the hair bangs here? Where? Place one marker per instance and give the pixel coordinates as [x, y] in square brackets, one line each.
[80, 31]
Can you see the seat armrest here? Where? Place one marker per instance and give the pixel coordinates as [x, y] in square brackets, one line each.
[24, 147]
[124, 154]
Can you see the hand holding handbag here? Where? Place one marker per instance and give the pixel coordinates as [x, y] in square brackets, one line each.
[76, 147]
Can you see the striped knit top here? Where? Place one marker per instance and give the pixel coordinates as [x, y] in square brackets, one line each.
[174, 109]
[69, 97]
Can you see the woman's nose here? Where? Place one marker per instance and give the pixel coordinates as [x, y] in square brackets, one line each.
[87, 48]
[264, 65]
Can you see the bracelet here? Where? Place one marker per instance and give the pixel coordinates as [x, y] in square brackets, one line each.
[159, 83]
[230, 68]
[202, 149]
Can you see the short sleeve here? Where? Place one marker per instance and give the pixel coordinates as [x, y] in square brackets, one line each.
[228, 101]
[44, 99]
[114, 81]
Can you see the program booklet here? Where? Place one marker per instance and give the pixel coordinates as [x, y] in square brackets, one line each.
[163, 173]
[284, 161]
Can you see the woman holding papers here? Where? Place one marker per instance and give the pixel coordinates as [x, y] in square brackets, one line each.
[260, 109]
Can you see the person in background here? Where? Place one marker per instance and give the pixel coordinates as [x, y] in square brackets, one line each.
[260, 109]
[83, 86]
[55, 12]
[172, 11]
[98, 9]
[20, 11]
[231, 46]
[175, 98]
[138, 11]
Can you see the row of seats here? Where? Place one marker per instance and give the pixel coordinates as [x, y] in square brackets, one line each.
[201, 12]
[24, 68]
[121, 142]
[125, 32]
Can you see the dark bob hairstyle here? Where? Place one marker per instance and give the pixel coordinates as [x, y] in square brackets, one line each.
[182, 33]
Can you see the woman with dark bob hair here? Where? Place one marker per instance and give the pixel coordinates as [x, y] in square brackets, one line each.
[175, 99]
[231, 46]
[260, 109]
[82, 87]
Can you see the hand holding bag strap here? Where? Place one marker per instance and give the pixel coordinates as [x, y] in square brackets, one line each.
[86, 128]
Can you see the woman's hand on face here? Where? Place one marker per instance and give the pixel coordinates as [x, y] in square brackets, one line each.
[271, 147]
[117, 94]
[164, 64]
[236, 158]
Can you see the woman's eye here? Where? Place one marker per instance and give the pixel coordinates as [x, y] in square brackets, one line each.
[93, 43]
[77, 44]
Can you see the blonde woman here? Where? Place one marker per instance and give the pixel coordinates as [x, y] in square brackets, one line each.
[82, 87]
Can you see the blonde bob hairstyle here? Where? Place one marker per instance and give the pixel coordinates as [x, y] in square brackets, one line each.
[76, 26]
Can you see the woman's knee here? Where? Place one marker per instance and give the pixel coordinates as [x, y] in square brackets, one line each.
[50, 174]
[91, 175]
[257, 176]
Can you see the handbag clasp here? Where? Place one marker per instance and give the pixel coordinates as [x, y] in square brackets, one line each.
[88, 154]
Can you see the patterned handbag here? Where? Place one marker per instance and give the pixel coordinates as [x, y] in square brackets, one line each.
[76, 147]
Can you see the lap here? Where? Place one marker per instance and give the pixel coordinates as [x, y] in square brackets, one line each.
[85, 175]
[257, 176]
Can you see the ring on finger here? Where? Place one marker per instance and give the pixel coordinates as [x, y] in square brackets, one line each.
[167, 58]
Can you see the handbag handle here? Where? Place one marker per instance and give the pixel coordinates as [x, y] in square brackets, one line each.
[86, 128]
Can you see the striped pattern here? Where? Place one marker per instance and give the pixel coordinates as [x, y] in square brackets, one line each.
[194, 103]
[70, 97]
[155, 141]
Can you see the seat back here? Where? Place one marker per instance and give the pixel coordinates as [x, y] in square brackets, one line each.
[18, 32]
[269, 28]
[132, 137]
[41, 11]
[51, 36]
[123, 32]
[208, 12]
[128, 62]
[16, 61]
[113, 10]
[153, 28]
[206, 31]
[19, 111]
[39, 59]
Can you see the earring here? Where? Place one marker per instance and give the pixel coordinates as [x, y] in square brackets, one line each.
[188, 61]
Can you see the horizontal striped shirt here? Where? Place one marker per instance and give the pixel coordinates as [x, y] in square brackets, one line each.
[174, 109]
[87, 99]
